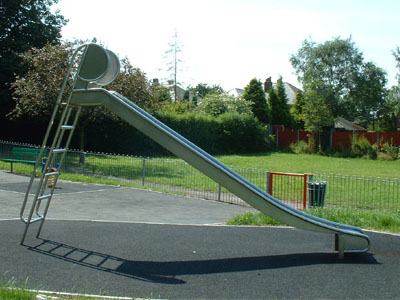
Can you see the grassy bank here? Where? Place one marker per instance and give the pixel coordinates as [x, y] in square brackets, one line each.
[367, 219]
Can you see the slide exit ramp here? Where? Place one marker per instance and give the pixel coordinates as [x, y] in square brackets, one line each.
[88, 91]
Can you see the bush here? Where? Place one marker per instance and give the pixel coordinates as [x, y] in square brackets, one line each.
[388, 151]
[302, 147]
[241, 133]
[218, 104]
[361, 147]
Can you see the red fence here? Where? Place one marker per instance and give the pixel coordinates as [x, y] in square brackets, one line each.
[337, 139]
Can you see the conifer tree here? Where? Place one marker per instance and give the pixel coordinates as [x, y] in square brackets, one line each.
[254, 93]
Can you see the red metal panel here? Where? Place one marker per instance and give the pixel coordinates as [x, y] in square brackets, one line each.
[290, 188]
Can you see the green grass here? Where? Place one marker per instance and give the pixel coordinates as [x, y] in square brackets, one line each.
[165, 172]
[314, 163]
[368, 219]
[16, 294]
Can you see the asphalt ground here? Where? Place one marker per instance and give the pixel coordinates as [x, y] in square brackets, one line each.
[171, 261]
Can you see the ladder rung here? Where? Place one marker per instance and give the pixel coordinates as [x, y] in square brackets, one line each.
[25, 220]
[69, 127]
[52, 173]
[59, 150]
[44, 197]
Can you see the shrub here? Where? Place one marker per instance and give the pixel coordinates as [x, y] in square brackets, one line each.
[389, 152]
[302, 147]
[218, 104]
[361, 147]
[241, 133]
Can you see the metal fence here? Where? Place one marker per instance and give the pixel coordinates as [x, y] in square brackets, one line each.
[176, 176]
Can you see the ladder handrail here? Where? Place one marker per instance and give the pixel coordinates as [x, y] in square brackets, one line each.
[57, 140]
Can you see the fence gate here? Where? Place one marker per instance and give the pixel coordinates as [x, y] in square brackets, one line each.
[290, 188]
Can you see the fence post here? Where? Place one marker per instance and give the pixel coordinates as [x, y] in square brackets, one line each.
[143, 171]
[219, 192]
[277, 138]
[83, 158]
[268, 181]
[378, 142]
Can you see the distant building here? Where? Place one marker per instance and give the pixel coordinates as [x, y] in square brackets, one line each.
[235, 92]
[290, 90]
[343, 124]
[180, 92]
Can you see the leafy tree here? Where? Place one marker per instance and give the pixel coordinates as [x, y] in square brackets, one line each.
[160, 93]
[341, 75]
[203, 89]
[396, 54]
[394, 95]
[254, 93]
[367, 100]
[35, 93]
[280, 114]
[23, 24]
[218, 104]
[315, 112]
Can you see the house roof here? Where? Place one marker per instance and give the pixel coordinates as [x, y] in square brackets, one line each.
[342, 123]
[290, 90]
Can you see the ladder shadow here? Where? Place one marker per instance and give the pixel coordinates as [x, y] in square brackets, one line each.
[166, 272]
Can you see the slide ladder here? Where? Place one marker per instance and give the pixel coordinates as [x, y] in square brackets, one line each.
[41, 186]
[99, 67]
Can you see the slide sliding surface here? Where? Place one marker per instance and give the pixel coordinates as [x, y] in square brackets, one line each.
[348, 238]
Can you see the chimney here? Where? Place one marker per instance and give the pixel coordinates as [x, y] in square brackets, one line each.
[267, 84]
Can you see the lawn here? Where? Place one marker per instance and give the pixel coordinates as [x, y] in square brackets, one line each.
[367, 219]
[314, 163]
[359, 187]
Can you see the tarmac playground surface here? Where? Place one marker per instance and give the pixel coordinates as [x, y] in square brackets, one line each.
[121, 241]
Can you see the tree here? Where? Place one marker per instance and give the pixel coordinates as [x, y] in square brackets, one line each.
[216, 104]
[254, 93]
[280, 114]
[341, 75]
[315, 112]
[367, 100]
[172, 55]
[297, 110]
[396, 54]
[23, 24]
[36, 92]
[394, 94]
[203, 89]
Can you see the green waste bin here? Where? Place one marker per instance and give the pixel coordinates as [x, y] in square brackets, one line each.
[316, 193]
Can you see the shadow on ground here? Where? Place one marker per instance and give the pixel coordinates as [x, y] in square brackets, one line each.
[166, 271]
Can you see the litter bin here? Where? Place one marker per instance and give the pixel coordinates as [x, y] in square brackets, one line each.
[316, 193]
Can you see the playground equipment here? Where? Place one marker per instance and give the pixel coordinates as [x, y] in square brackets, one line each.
[97, 67]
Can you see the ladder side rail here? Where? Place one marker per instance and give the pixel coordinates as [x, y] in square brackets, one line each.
[51, 159]
[47, 134]
[43, 179]
[28, 220]
[57, 175]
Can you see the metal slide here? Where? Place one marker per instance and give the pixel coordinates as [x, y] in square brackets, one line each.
[97, 67]
[348, 238]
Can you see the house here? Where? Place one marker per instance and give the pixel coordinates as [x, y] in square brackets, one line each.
[345, 125]
[290, 90]
[180, 92]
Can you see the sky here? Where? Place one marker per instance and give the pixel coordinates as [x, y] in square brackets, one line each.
[230, 42]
